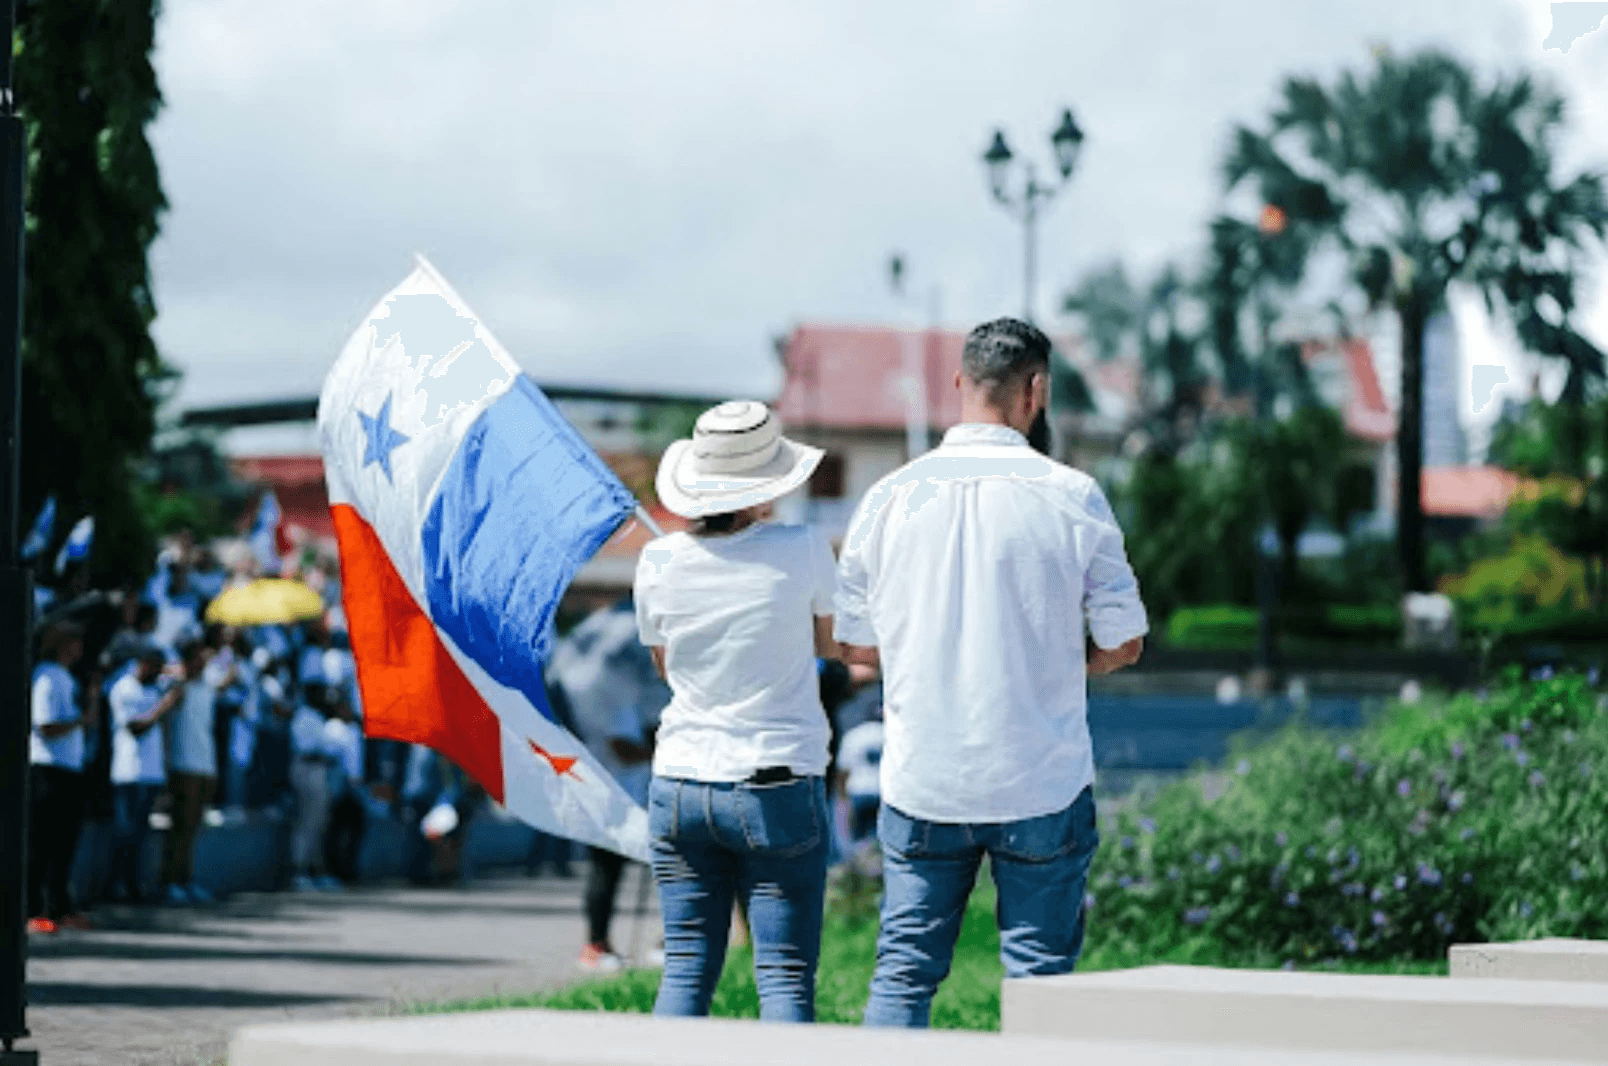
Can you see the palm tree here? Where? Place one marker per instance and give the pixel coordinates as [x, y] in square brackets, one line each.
[1421, 178]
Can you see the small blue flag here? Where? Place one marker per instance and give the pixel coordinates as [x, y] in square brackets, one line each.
[264, 535]
[39, 536]
[78, 543]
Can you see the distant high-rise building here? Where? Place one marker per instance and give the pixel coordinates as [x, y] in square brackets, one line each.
[1444, 441]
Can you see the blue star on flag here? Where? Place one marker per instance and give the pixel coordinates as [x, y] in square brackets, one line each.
[382, 439]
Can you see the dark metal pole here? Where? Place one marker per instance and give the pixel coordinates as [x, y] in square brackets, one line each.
[16, 599]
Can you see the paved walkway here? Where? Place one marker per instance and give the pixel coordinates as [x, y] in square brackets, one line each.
[157, 987]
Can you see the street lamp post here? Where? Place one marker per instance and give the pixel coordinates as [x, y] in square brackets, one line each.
[913, 344]
[16, 601]
[1067, 141]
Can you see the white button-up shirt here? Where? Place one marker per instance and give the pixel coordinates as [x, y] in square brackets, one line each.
[975, 570]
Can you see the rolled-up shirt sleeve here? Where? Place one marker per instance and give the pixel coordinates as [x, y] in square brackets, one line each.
[1111, 605]
[851, 622]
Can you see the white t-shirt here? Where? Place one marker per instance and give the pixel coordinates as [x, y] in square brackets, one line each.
[54, 700]
[735, 615]
[191, 749]
[136, 760]
[860, 758]
[307, 732]
[977, 569]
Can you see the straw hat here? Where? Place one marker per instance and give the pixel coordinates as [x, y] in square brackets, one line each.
[737, 458]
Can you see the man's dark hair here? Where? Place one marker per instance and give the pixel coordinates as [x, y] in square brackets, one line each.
[715, 523]
[1001, 354]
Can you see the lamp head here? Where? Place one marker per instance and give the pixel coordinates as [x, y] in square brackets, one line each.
[1067, 140]
[998, 159]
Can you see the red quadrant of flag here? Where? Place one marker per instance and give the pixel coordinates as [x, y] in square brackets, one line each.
[412, 689]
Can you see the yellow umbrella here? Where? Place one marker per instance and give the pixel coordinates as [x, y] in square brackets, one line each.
[266, 602]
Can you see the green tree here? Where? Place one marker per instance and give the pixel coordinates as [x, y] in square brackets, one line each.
[1421, 178]
[91, 375]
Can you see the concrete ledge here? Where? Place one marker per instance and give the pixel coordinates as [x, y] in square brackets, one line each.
[1521, 1020]
[558, 1038]
[1533, 960]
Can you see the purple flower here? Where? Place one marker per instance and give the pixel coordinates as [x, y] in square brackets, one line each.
[1292, 899]
[1404, 788]
[1526, 725]
[1510, 741]
[1525, 909]
[1344, 754]
[1576, 871]
[1173, 873]
[1454, 802]
[1197, 915]
[1585, 769]
[1522, 758]
[1444, 924]
[1197, 858]
[1281, 838]
[1401, 882]
[1088, 901]
[1288, 964]
[1466, 834]
[1353, 888]
[1127, 842]
[1457, 750]
[1147, 825]
[1468, 878]
[1124, 881]
[1242, 767]
[1213, 864]
[1379, 919]
[1233, 853]
[1311, 852]
[1537, 778]
[1428, 875]
[1568, 736]
[1346, 938]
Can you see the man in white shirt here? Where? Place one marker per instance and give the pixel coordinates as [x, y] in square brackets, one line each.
[139, 700]
[192, 772]
[978, 574]
[56, 785]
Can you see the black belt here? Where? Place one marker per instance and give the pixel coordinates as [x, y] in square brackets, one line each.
[772, 775]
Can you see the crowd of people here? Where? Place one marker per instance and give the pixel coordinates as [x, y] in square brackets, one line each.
[145, 715]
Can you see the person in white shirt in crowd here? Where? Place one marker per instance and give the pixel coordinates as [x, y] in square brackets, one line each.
[56, 779]
[735, 611]
[192, 771]
[977, 575]
[139, 701]
[242, 700]
[314, 760]
[859, 763]
[348, 813]
[614, 697]
[178, 606]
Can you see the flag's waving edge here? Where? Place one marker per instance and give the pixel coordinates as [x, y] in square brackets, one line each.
[464, 504]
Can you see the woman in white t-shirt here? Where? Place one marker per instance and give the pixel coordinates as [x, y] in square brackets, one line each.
[735, 611]
[56, 778]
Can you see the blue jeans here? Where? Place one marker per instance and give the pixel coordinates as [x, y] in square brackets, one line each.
[767, 844]
[131, 821]
[1040, 866]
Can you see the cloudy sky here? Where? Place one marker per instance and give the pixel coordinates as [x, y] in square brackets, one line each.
[645, 194]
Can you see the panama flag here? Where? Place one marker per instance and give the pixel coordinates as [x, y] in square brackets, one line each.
[464, 503]
[266, 538]
[44, 525]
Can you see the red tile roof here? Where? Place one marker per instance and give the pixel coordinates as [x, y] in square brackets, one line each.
[1367, 415]
[846, 377]
[298, 484]
[1466, 491]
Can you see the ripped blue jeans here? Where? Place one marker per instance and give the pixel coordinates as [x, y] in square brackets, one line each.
[714, 843]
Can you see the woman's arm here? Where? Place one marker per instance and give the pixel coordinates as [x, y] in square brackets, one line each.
[142, 724]
[826, 645]
[658, 660]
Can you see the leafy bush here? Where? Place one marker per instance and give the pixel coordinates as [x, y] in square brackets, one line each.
[1530, 576]
[1222, 626]
[1471, 818]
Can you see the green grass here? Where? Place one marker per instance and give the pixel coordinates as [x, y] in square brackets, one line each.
[969, 999]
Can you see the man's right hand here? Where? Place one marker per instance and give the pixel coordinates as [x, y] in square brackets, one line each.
[1110, 660]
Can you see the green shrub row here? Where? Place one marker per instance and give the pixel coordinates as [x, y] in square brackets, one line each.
[1479, 817]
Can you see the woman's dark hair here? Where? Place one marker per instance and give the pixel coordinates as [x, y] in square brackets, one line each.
[56, 636]
[715, 523]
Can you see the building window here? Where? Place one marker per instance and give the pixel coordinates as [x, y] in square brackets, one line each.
[827, 481]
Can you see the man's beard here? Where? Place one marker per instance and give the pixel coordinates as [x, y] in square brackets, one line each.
[1039, 435]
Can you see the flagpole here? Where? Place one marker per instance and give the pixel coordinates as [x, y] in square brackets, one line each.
[646, 519]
